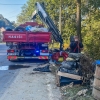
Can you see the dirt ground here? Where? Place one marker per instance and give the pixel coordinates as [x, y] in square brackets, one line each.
[32, 86]
[29, 85]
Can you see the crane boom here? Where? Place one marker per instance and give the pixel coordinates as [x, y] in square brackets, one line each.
[44, 16]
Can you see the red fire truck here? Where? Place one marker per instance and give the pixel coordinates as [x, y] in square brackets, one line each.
[33, 45]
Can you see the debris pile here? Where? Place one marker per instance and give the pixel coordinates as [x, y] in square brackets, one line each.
[69, 71]
[42, 68]
[77, 68]
[87, 68]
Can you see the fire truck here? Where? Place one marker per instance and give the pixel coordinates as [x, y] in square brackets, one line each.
[32, 45]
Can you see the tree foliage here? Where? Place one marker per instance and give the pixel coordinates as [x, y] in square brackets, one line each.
[90, 27]
[90, 20]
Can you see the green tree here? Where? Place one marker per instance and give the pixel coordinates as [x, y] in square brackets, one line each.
[27, 10]
[90, 20]
[91, 28]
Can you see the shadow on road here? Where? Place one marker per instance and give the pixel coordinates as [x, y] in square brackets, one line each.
[31, 61]
[13, 67]
[22, 64]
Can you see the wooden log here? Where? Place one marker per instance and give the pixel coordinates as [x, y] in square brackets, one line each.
[72, 76]
[96, 84]
[57, 79]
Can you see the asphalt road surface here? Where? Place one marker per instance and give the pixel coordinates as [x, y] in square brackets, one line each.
[18, 82]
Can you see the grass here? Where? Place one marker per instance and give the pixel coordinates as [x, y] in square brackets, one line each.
[70, 93]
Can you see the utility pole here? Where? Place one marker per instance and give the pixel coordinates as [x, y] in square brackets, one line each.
[60, 16]
[0, 34]
[78, 20]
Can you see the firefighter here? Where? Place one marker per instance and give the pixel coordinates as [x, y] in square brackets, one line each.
[76, 46]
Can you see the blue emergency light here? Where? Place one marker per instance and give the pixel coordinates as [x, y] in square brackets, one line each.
[37, 51]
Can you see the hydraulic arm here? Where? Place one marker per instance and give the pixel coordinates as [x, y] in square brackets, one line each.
[44, 16]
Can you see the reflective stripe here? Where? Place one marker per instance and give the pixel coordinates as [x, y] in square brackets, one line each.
[15, 57]
[44, 54]
[12, 57]
[28, 57]
[43, 57]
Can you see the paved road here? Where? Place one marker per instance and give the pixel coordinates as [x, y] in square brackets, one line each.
[6, 76]
[21, 84]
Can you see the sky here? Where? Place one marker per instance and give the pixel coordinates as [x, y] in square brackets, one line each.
[10, 11]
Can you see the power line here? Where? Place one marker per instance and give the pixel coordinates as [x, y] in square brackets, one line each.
[13, 16]
[11, 4]
[13, 11]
